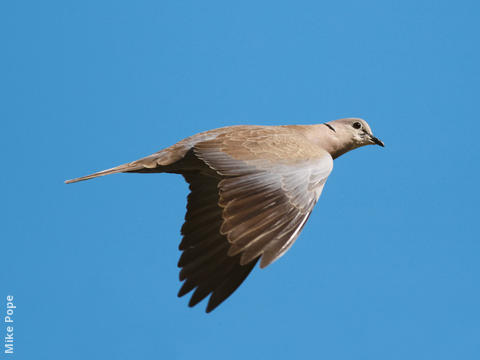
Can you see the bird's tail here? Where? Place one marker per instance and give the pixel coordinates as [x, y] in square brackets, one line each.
[129, 167]
[151, 163]
[161, 161]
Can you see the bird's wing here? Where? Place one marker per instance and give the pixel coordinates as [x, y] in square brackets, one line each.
[270, 184]
[206, 265]
[266, 191]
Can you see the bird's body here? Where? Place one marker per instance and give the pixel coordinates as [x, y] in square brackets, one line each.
[252, 190]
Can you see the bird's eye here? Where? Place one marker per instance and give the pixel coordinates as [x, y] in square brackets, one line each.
[356, 125]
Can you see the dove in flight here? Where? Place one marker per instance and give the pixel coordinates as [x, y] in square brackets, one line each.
[252, 189]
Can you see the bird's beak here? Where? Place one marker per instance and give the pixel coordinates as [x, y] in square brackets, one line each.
[377, 141]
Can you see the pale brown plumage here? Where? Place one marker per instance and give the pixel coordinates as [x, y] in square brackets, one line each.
[252, 190]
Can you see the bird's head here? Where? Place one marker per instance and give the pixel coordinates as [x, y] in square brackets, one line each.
[357, 130]
[349, 134]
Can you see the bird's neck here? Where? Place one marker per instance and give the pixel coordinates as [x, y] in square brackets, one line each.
[328, 139]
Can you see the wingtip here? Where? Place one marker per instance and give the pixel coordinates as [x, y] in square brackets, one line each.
[212, 305]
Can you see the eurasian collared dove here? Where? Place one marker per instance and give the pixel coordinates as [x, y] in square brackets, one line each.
[252, 190]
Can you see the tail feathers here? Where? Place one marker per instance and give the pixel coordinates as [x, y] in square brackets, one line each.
[157, 162]
[149, 162]
[118, 169]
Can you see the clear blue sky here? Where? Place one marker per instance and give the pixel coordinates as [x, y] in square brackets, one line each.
[388, 264]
